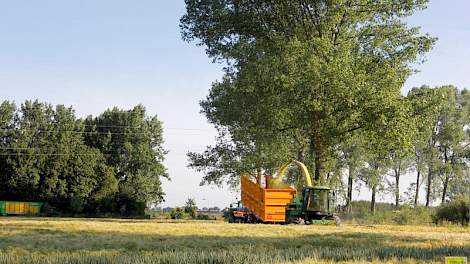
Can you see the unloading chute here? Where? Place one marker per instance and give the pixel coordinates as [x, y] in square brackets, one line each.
[278, 180]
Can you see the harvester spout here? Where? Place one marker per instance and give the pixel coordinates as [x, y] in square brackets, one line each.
[282, 171]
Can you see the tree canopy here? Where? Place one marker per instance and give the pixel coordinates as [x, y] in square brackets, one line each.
[309, 73]
[110, 163]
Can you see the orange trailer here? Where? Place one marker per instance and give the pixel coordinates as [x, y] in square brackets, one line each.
[268, 205]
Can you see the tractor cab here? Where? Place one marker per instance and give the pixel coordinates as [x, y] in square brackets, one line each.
[237, 213]
[236, 205]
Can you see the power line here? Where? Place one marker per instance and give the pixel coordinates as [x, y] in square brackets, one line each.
[50, 154]
[45, 147]
[121, 126]
[36, 152]
[103, 133]
[189, 129]
[60, 154]
[79, 132]
[111, 126]
[138, 127]
[99, 132]
[10, 148]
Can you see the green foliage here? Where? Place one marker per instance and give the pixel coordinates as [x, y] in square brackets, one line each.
[442, 118]
[302, 77]
[320, 81]
[76, 205]
[406, 215]
[190, 208]
[203, 217]
[387, 213]
[47, 154]
[133, 147]
[177, 213]
[455, 211]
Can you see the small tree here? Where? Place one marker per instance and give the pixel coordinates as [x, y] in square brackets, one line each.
[190, 208]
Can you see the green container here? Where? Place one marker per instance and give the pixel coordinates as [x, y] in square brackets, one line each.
[3, 208]
[20, 208]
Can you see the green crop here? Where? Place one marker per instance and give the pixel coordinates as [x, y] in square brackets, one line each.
[35, 240]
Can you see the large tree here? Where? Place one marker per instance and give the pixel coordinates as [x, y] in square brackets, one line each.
[442, 119]
[322, 68]
[394, 137]
[45, 158]
[353, 157]
[111, 163]
[7, 125]
[451, 123]
[425, 103]
[133, 146]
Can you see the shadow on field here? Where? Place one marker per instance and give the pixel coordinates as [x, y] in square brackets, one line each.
[234, 249]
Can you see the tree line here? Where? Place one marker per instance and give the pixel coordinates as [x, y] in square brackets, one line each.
[320, 81]
[108, 164]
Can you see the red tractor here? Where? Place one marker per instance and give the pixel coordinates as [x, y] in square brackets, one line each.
[239, 214]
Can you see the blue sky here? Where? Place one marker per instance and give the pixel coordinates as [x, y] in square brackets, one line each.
[98, 54]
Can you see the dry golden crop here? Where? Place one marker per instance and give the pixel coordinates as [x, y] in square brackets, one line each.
[39, 240]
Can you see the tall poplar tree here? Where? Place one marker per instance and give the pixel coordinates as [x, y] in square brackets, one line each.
[325, 68]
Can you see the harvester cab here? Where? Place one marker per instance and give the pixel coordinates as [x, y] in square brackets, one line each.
[315, 206]
[317, 199]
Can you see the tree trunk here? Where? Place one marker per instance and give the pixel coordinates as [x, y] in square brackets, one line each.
[429, 186]
[350, 186]
[258, 176]
[444, 191]
[418, 175]
[372, 202]
[431, 145]
[301, 154]
[446, 178]
[317, 148]
[397, 186]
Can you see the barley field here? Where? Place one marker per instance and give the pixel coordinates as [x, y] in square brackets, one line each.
[49, 240]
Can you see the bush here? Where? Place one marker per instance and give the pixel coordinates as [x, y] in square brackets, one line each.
[388, 214]
[456, 211]
[177, 213]
[203, 217]
[410, 216]
[160, 215]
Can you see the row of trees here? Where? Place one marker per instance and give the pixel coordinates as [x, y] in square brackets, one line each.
[111, 163]
[438, 158]
[320, 81]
